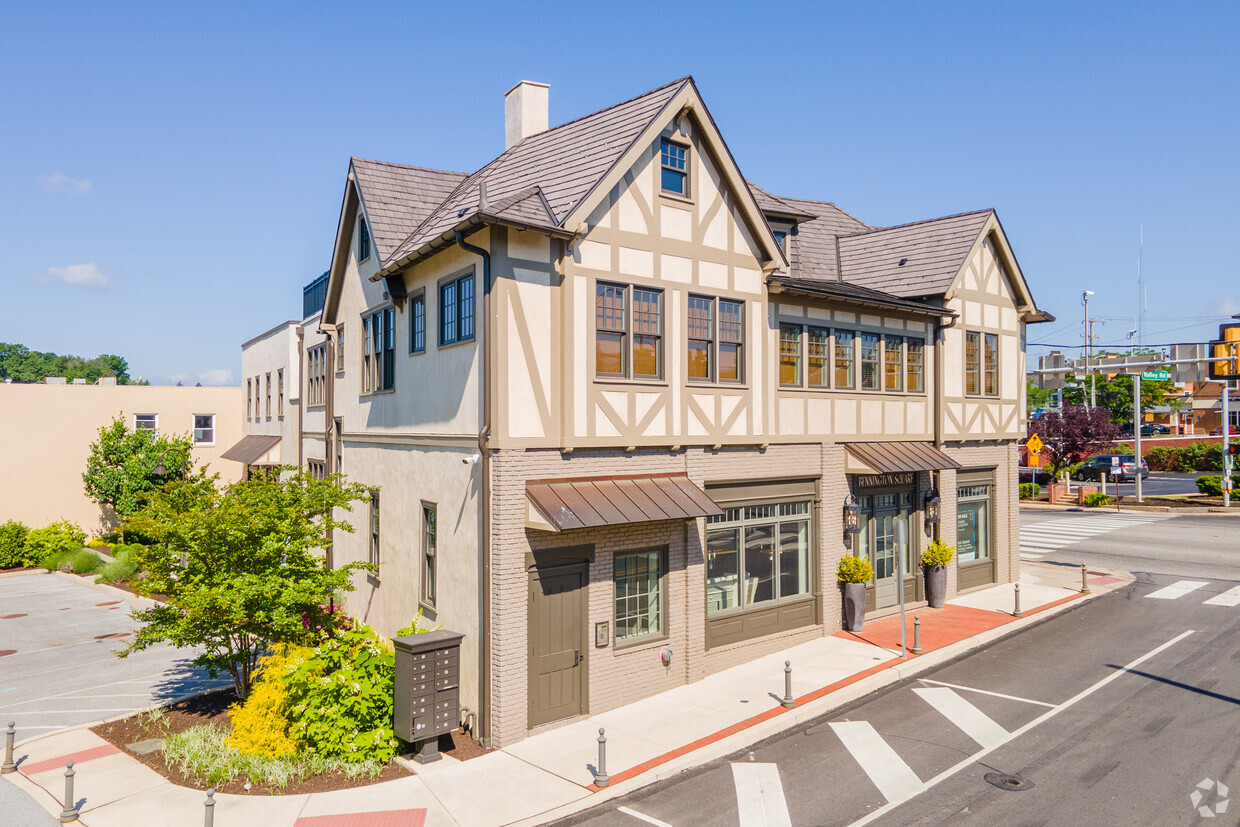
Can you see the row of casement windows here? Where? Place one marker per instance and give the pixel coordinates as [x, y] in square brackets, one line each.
[818, 357]
[430, 547]
[253, 408]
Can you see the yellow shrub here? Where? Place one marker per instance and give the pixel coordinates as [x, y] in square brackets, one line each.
[260, 725]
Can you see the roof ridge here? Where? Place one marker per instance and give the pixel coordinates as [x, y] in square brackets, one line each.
[685, 79]
[874, 230]
[406, 166]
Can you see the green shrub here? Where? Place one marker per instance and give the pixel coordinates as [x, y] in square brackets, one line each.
[1029, 490]
[1212, 484]
[937, 553]
[854, 569]
[1195, 456]
[98, 542]
[85, 561]
[118, 571]
[340, 697]
[1097, 500]
[14, 553]
[61, 537]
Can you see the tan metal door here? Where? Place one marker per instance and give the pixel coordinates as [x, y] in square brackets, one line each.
[557, 643]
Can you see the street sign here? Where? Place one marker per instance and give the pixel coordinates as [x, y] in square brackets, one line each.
[1194, 367]
[1156, 375]
[1034, 446]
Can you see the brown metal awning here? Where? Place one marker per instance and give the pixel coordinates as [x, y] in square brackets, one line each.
[588, 502]
[253, 448]
[893, 457]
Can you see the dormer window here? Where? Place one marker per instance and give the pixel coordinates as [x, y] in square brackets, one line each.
[675, 163]
[781, 238]
[363, 240]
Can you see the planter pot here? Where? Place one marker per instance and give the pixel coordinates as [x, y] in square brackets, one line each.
[854, 606]
[936, 586]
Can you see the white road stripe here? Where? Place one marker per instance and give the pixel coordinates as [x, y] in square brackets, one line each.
[987, 692]
[894, 778]
[1177, 589]
[760, 796]
[1231, 597]
[641, 817]
[972, 721]
[1045, 716]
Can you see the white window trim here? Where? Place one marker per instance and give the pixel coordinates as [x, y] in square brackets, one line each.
[193, 428]
[135, 421]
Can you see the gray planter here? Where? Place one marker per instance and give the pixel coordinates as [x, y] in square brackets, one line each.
[854, 606]
[936, 586]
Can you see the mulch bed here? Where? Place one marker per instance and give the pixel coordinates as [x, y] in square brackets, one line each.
[212, 708]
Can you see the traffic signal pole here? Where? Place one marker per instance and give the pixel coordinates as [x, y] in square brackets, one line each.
[1136, 432]
[1228, 465]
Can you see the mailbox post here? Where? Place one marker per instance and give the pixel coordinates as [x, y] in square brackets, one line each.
[427, 696]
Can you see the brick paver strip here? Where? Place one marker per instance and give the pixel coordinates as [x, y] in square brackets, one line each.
[382, 818]
[59, 762]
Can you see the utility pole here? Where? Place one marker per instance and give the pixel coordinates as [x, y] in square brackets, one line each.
[1093, 393]
[1089, 341]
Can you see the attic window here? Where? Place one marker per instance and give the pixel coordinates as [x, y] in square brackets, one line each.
[675, 163]
[363, 240]
[781, 238]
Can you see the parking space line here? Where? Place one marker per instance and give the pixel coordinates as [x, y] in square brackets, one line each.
[988, 692]
[969, 719]
[760, 796]
[895, 779]
[1231, 597]
[1178, 589]
[642, 817]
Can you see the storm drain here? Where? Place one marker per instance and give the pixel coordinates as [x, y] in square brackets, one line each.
[1003, 781]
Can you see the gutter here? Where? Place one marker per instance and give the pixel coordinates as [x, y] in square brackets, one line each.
[939, 369]
[447, 238]
[484, 433]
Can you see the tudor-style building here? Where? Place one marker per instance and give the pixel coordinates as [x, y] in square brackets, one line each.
[614, 400]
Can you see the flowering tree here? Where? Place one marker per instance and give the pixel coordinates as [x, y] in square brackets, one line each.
[241, 567]
[1074, 433]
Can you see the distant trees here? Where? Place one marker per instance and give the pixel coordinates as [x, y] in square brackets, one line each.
[1074, 433]
[23, 365]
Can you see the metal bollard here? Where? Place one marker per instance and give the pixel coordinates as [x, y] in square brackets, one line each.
[9, 734]
[70, 813]
[1017, 612]
[787, 702]
[601, 778]
[916, 634]
[208, 818]
[1084, 580]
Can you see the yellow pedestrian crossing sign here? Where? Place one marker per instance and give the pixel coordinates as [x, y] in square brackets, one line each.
[1034, 446]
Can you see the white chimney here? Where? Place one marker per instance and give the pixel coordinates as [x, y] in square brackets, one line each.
[525, 111]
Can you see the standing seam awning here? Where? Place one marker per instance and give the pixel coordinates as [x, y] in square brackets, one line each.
[893, 457]
[588, 502]
[251, 448]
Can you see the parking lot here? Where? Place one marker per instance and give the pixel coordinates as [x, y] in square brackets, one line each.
[57, 667]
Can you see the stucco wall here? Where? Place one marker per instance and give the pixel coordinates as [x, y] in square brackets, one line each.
[46, 432]
[266, 356]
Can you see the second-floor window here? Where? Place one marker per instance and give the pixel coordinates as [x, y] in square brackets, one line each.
[871, 362]
[267, 409]
[790, 354]
[674, 163]
[990, 364]
[417, 323]
[249, 399]
[716, 352]
[204, 429]
[628, 339]
[818, 358]
[915, 362]
[363, 240]
[378, 349]
[146, 422]
[340, 348]
[893, 363]
[981, 364]
[456, 310]
[316, 375]
[845, 360]
[280, 392]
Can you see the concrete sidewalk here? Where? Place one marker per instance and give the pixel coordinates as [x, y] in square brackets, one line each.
[551, 775]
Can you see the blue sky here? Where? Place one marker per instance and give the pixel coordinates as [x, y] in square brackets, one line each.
[173, 172]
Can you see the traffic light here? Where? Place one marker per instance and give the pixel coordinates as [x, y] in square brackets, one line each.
[1225, 353]
[1233, 448]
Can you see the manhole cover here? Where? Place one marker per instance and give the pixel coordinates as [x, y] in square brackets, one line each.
[1008, 782]
[11, 617]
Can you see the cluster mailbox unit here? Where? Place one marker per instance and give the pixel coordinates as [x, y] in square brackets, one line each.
[427, 700]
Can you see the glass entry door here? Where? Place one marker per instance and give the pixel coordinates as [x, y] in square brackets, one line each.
[880, 514]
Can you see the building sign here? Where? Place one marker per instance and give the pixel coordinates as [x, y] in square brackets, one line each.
[885, 480]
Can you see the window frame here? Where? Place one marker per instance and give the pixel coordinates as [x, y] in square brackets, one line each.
[458, 316]
[154, 420]
[267, 404]
[973, 365]
[736, 518]
[909, 342]
[374, 548]
[837, 360]
[249, 401]
[827, 356]
[988, 369]
[195, 429]
[316, 375]
[647, 638]
[416, 335]
[720, 341]
[428, 597]
[378, 351]
[280, 393]
[784, 329]
[898, 374]
[364, 241]
[627, 332]
[686, 192]
[877, 361]
[340, 360]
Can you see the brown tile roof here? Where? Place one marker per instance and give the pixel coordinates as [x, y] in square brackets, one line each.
[812, 253]
[565, 163]
[398, 198]
[932, 251]
[588, 502]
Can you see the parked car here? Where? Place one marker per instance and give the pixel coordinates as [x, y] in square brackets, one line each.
[1219, 431]
[1099, 468]
[1154, 429]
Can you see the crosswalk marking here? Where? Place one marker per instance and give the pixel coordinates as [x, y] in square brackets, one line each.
[1046, 536]
[642, 817]
[1177, 589]
[894, 778]
[971, 720]
[760, 795]
[1231, 597]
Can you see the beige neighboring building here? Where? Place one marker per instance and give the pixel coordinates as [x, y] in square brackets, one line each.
[614, 401]
[271, 386]
[46, 432]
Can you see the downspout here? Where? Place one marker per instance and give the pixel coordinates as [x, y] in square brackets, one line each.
[301, 399]
[940, 358]
[484, 434]
[329, 422]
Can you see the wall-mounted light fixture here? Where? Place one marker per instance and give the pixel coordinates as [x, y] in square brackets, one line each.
[852, 519]
[933, 510]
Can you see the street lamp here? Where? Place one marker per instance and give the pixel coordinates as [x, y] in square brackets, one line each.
[852, 519]
[160, 470]
[934, 505]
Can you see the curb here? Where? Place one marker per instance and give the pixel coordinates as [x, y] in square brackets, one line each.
[775, 721]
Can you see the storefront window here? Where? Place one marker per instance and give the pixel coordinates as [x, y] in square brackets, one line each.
[972, 523]
[776, 559]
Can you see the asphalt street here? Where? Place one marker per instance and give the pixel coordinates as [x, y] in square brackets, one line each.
[1117, 711]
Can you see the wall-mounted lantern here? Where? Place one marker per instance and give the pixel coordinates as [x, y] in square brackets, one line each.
[933, 508]
[852, 519]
